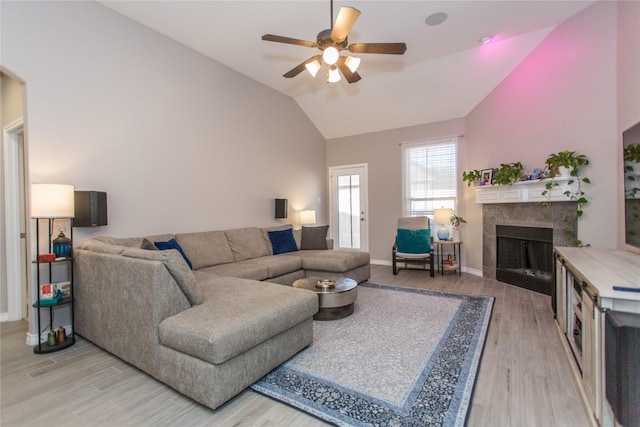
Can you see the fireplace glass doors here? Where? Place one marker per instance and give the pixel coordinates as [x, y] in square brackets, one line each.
[525, 257]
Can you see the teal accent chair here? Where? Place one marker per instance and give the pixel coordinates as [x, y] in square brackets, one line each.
[413, 248]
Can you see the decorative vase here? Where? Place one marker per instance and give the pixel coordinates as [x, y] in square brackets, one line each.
[443, 234]
[457, 235]
[62, 244]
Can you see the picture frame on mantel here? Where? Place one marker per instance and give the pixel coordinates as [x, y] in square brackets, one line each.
[486, 177]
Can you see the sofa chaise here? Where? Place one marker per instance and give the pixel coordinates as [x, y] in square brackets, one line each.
[210, 316]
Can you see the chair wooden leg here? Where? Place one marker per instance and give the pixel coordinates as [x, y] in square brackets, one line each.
[393, 261]
[431, 266]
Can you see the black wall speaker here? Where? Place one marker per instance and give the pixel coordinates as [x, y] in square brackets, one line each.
[622, 369]
[91, 208]
[282, 208]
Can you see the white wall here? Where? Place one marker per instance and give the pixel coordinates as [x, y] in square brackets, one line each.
[381, 151]
[562, 96]
[178, 141]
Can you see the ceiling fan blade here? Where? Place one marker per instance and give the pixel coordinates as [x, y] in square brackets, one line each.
[351, 77]
[385, 48]
[300, 67]
[289, 40]
[345, 20]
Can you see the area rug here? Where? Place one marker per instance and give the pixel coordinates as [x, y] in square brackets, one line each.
[405, 357]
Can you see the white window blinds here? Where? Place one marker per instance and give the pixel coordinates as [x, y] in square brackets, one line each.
[429, 176]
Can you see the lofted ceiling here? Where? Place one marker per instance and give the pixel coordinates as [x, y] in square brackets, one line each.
[443, 75]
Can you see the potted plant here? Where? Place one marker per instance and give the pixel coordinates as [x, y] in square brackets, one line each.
[455, 226]
[567, 164]
[471, 177]
[508, 173]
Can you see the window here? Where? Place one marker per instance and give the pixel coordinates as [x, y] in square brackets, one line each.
[429, 176]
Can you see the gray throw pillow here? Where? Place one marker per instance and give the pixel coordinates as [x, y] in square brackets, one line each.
[148, 245]
[314, 237]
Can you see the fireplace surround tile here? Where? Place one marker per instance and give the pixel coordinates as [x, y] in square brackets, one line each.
[525, 215]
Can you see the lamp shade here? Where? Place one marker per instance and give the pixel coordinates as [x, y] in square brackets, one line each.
[308, 217]
[442, 215]
[52, 201]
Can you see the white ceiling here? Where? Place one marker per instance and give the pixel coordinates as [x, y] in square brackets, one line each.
[443, 75]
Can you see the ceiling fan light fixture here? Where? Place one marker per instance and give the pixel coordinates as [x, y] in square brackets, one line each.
[334, 75]
[352, 63]
[313, 67]
[330, 55]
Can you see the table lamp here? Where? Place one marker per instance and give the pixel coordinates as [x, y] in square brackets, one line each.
[442, 216]
[307, 217]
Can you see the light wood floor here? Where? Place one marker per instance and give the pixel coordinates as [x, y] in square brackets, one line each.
[524, 378]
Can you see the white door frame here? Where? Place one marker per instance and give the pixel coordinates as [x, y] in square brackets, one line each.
[12, 214]
[364, 202]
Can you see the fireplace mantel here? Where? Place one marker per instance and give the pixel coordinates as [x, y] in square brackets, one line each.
[525, 191]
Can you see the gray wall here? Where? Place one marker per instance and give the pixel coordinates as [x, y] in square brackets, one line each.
[178, 141]
[381, 151]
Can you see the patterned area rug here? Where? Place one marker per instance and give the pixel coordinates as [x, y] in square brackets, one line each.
[405, 357]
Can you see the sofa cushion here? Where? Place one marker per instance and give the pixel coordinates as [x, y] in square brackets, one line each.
[279, 265]
[247, 269]
[206, 248]
[337, 261]
[259, 311]
[96, 245]
[282, 241]
[177, 267]
[173, 244]
[314, 237]
[247, 243]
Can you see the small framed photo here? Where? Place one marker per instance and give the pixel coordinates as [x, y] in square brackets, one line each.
[64, 288]
[48, 290]
[486, 177]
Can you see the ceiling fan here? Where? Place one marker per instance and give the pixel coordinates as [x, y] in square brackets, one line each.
[331, 42]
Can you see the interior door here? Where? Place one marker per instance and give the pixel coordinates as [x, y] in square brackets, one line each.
[348, 207]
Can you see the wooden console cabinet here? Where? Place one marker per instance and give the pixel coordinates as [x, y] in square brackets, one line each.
[585, 280]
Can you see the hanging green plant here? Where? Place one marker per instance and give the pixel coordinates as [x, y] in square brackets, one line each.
[508, 173]
[572, 163]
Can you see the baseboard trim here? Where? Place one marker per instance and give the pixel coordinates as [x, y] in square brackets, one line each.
[468, 270]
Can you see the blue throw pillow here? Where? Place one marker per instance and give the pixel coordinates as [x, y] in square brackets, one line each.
[173, 244]
[282, 241]
[414, 241]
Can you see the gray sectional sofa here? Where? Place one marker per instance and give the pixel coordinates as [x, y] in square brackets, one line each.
[211, 330]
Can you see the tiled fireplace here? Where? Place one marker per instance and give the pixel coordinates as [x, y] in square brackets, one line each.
[522, 242]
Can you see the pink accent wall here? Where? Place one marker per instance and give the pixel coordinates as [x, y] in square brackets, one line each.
[562, 96]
